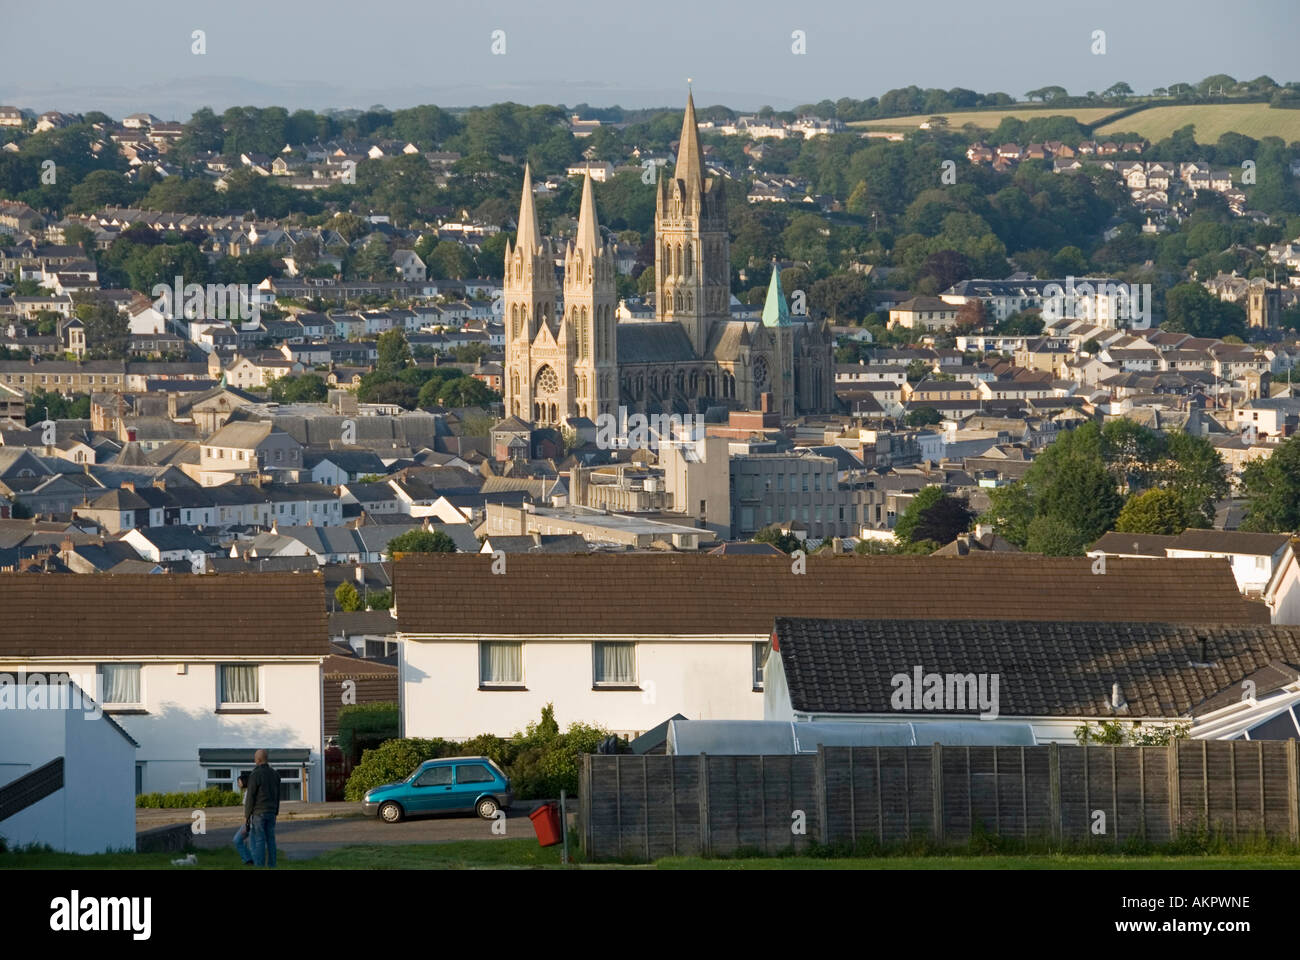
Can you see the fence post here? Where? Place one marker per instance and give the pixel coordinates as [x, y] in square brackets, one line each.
[706, 839]
[823, 828]
[584, 808]
[1175, 798]
[1054, 787]
[936, 791]
[1292, 790]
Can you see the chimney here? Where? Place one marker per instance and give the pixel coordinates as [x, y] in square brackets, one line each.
[537, 538]
[1116, 698]
[160, 483]
[128, 485]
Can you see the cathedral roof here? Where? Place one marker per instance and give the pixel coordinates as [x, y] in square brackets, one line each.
[689, 167]
[529, 237]
[588, 239]
[775, 311]
[727, 338]
[650, 341]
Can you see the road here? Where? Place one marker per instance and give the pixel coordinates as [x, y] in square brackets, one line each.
[303, 839]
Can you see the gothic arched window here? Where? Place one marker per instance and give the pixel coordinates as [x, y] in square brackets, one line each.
[690, 265]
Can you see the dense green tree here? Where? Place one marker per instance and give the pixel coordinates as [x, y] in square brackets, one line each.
[421, 541]
[1272, 485]
[1154, 511]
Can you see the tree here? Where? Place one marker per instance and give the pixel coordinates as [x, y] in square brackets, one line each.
[907, 523]
[347, 598]
[923, 417]
[108, 330]
[466, 392]
[785, 542]
[1154, 511]
[1190, 308]
[421, 541]
[393, 352]
[943, 521]
[308, 388]
[1273, 486]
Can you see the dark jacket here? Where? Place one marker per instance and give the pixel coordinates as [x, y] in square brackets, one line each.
[262, 798]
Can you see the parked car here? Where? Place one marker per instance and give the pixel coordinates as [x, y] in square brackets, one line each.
[448, 785]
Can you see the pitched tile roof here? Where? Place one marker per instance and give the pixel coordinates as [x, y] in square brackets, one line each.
[1045, 668]
[98, 615]
[702, 594]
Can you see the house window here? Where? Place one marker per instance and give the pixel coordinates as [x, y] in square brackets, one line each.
[761, 650]
[225, 778]
[238, 684]
[120, 683]
[613, 664]
[500, 663]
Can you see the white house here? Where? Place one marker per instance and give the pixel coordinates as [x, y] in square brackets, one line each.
[200, 671]
[625, 641]
[67, 770]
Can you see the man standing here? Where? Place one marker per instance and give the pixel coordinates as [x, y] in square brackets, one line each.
[261, 806]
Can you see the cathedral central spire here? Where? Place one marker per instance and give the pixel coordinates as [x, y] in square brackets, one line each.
[529, 238]
[689, 169]
[588, 239]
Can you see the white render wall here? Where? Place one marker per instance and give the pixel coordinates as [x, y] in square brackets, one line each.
[182, 718]
[702, 679]
[95, 809]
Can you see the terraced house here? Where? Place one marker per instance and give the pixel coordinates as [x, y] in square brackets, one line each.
[199, 671]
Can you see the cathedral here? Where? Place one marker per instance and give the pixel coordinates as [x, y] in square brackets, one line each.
[568, 355]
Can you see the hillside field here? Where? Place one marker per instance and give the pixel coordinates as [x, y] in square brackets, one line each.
[1211, 120]
[987, 119]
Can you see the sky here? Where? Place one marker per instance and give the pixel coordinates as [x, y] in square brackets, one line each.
[124, 56]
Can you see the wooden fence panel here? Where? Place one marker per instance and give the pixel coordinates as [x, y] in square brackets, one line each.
[643, 808]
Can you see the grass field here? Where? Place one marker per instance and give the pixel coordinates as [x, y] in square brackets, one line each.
[524, 854]
[1212, 120]
[987, 119]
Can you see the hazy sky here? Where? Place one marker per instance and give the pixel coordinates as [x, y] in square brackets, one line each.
[121, 56]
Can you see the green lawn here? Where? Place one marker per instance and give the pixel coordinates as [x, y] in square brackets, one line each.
[525, 854]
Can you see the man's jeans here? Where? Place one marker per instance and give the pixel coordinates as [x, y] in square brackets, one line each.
[241, 845]
[263, 839]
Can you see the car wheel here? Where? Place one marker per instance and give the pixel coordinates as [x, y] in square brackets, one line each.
[487, 808]
[391, 812]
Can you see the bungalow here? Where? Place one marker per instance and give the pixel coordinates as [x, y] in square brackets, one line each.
[1057, 676]
[199, 671]
[490, 663]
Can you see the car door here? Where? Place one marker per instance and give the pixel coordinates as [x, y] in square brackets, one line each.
[472, 780]
[431, 790]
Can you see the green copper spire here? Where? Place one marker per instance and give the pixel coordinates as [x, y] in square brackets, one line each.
[775, 312]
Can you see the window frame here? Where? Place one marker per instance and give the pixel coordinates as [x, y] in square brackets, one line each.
[232, 706]
[599, 684]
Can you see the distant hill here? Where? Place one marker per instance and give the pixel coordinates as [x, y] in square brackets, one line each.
[1211, 120]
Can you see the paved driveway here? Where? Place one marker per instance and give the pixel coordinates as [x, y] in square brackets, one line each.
[301, 838]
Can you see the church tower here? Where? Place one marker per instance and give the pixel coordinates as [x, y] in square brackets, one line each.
[590, 329]
[776, 317]
[529, 295]
[692, 260]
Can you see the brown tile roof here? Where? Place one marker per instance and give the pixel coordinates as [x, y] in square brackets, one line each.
[165, 615]
[701, 594]
[1044, 668]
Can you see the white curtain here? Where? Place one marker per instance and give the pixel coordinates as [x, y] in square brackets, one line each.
[121, 682]
[501, 662]
[616, 663]
[239, 683]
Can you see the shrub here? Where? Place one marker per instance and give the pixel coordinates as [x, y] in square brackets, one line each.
[393, 761]
[211, 797]
[369, 724]
[539, 762]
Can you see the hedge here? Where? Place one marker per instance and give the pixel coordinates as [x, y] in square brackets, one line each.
[211, 797]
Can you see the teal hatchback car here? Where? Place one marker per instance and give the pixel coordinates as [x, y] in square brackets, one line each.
[447, 785]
